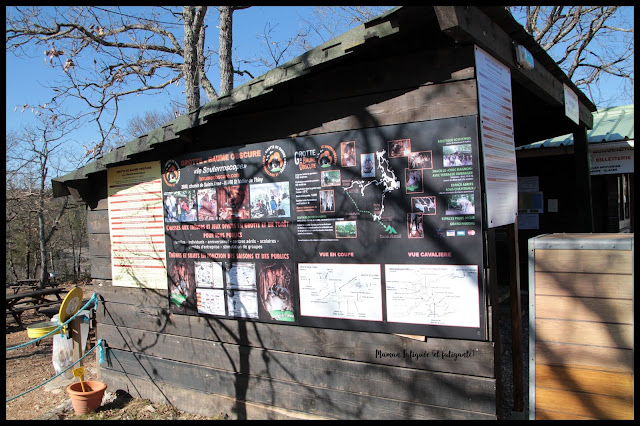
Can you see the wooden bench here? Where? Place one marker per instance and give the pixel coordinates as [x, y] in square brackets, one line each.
[21, 308]
[17, 304]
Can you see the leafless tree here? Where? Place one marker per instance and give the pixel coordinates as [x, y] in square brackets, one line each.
[328, 22]
[588, 43]
[31, 210]
[144, 123]
[324, 23]
[106, 54]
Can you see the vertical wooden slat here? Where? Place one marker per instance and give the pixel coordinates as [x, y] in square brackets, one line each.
[516, 315]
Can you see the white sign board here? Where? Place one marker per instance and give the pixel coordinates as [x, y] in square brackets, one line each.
[611, 162]
[136, 225]
[498, 147]
[571, 105]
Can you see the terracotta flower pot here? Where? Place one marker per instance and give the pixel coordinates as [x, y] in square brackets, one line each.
[85, 402]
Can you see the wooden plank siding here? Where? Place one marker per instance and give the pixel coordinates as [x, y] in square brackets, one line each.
[584, 261]
[584, 320]
[332, 373]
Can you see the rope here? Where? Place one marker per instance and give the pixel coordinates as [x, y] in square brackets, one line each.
[99, 343]
[94, 299]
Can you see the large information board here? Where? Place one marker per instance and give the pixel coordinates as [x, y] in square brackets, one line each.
[375, 230]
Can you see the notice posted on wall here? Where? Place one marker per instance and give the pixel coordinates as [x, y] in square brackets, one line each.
[497, 138]
[136, 226]
[300, 231]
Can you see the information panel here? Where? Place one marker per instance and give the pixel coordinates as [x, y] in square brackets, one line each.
[498, 145]
[377, 229]
[136, 226]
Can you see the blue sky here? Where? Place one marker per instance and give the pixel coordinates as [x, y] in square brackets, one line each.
[26, 77]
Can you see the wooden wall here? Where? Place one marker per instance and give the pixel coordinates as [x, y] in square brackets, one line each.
[270, 371]
[255, 370]
[583, 327]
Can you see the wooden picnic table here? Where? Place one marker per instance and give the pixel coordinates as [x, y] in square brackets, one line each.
[31, 284]
[17, 303]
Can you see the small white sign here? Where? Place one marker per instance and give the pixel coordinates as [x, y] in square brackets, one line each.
[571, 108]
[611, 162]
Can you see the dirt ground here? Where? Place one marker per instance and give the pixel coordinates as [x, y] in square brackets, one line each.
[31, 365]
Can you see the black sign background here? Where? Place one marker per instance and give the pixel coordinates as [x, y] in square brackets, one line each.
[394, 195]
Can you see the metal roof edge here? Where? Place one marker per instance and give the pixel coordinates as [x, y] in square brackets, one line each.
[602, 119]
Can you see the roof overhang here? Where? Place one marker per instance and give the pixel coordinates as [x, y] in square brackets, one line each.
[491, 28]
[494, 30]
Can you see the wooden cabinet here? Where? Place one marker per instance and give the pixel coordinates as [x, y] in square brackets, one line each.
[581, 326]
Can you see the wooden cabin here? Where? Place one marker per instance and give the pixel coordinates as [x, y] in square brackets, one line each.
[367, 290]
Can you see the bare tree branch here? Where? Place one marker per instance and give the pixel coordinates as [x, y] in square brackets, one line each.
[587, 42]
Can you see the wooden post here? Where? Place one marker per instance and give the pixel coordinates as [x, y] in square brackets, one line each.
[76, 335]
[494, 317]
[516, 315]
[583, 207]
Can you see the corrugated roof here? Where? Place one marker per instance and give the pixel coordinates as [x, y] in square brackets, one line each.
[614, 124]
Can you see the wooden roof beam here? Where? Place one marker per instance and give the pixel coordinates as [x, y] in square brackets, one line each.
[468, 24]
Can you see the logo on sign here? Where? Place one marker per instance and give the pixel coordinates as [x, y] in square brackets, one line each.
[274, 160]
[327, 157]
[171, 173]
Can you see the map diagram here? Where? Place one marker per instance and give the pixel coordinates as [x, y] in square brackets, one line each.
[389, 182]
[433, 294]
[340, 291]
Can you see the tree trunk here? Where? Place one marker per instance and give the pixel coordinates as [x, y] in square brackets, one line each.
[27, 255]
[78, 274]
[12, 265]
[44, 276]
[193, 22]
[226, 44]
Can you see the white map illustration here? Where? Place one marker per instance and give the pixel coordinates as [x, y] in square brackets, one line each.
[388, 181]
[433, 294]
[340, 291]
[242, 304]
[242, 275]
[209, 274]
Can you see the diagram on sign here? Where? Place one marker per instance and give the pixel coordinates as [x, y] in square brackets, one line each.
[388, 182]
[433, 294]
[340, 291]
